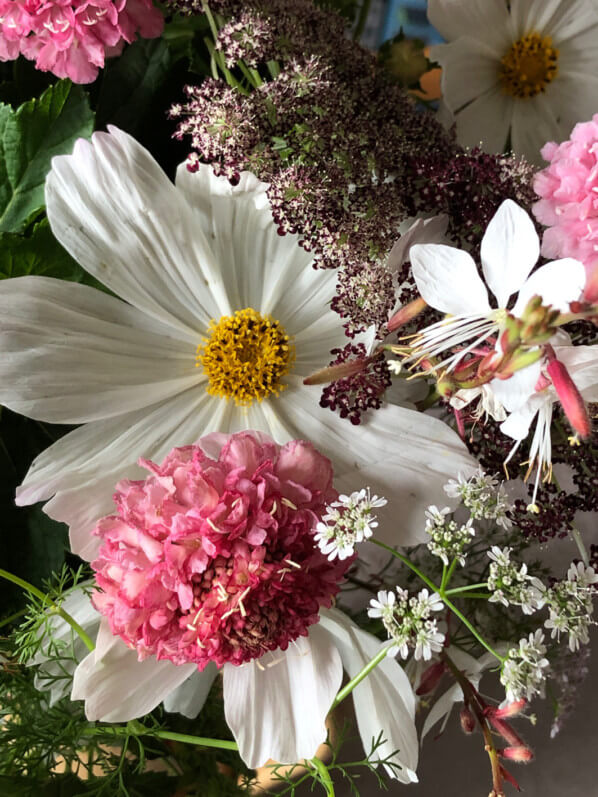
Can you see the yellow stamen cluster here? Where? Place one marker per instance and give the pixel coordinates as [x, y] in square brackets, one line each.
[529, 66]
[245, 356]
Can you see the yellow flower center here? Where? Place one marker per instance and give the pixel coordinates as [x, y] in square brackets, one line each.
[529, 66]
[245, 356]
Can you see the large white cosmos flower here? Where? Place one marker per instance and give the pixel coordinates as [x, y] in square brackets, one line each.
[199, 264]
[276, 705]
[522, 72]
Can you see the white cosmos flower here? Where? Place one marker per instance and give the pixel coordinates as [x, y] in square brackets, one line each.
[582, 364]
[179, 256]
[276, 705]
[520, 73]
[448, 280]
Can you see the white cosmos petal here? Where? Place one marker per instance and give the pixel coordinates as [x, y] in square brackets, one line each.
[279, 711]
[403, 455]
[51, 674]
[83, 467]
[486, 121]
[552, 18]
[510, 249]
[384, 701]
[468, 70]
[188, 699]
[72, 354]
[116, 212]
[486, 19]
[534, 122]
[558, 283]
[448, 280]
[258, 265]
[117, 687]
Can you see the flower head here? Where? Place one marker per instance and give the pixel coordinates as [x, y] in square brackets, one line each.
[408, 623]
[348, 521]
[449, 539]
[215, 559]
[219, 320]
[568, 206]
[523, 673]
[483, 495]
[512, 585]
[525, 57]
[72, 39]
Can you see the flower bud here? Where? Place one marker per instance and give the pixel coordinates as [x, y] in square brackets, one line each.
[509, 710]
[333, 372]
[521, 753]
[406, 313]
[467, 720]
[571, 400]
[430, 678]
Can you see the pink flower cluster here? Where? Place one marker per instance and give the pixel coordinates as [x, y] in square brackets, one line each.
[568, 188]
[72, 39]
[213, 559]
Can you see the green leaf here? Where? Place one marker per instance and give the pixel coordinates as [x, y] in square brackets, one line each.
[39, 253]
[131, 82]
[29, 138]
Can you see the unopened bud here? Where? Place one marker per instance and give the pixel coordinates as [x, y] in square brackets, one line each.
[467, 720]
[430, 678]
[571, 400]
[333, 372]
[406, 313]
[509, 710]
[507, 733]
[520, 753]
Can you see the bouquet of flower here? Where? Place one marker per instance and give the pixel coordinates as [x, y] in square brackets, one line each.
[329, 343]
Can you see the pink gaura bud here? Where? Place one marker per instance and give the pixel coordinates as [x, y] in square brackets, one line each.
[571, 400]
[510, 710]
[509, 778]
[521, 753]
[467, 720]
[506, 731]
[333, 372]
[406, 313]
[430, 678]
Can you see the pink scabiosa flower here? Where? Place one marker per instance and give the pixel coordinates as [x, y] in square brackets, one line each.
[211, 563]
[568, 188]
[72, 39]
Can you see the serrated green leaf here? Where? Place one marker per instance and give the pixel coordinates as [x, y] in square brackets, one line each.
[131, 82]
[39, 253]
[29, 138]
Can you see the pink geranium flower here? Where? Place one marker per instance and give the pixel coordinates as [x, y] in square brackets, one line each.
[568, 188]
[72, 39]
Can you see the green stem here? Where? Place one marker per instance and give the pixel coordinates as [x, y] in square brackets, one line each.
[346, 690]
[443, 596]
[575, 533]
[185, 738]
[322, 770]
[8, 620]
[361, 20]
[458, 590]
[89, 644]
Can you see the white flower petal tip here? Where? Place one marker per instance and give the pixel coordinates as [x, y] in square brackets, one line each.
[276, 706]
[510, 249]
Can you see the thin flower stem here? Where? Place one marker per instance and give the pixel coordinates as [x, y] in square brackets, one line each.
[88, 642]
[322, 770]
[583, 552]
[458, 590]
[8, 620]
[435, 588]
[346, 690]
[443, 579]
[361, 20]
[139, 730]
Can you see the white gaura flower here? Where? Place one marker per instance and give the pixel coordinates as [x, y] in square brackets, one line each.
[517, 74]
[217, 307]
[581, 363]
[276, 705]
[448, 280]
